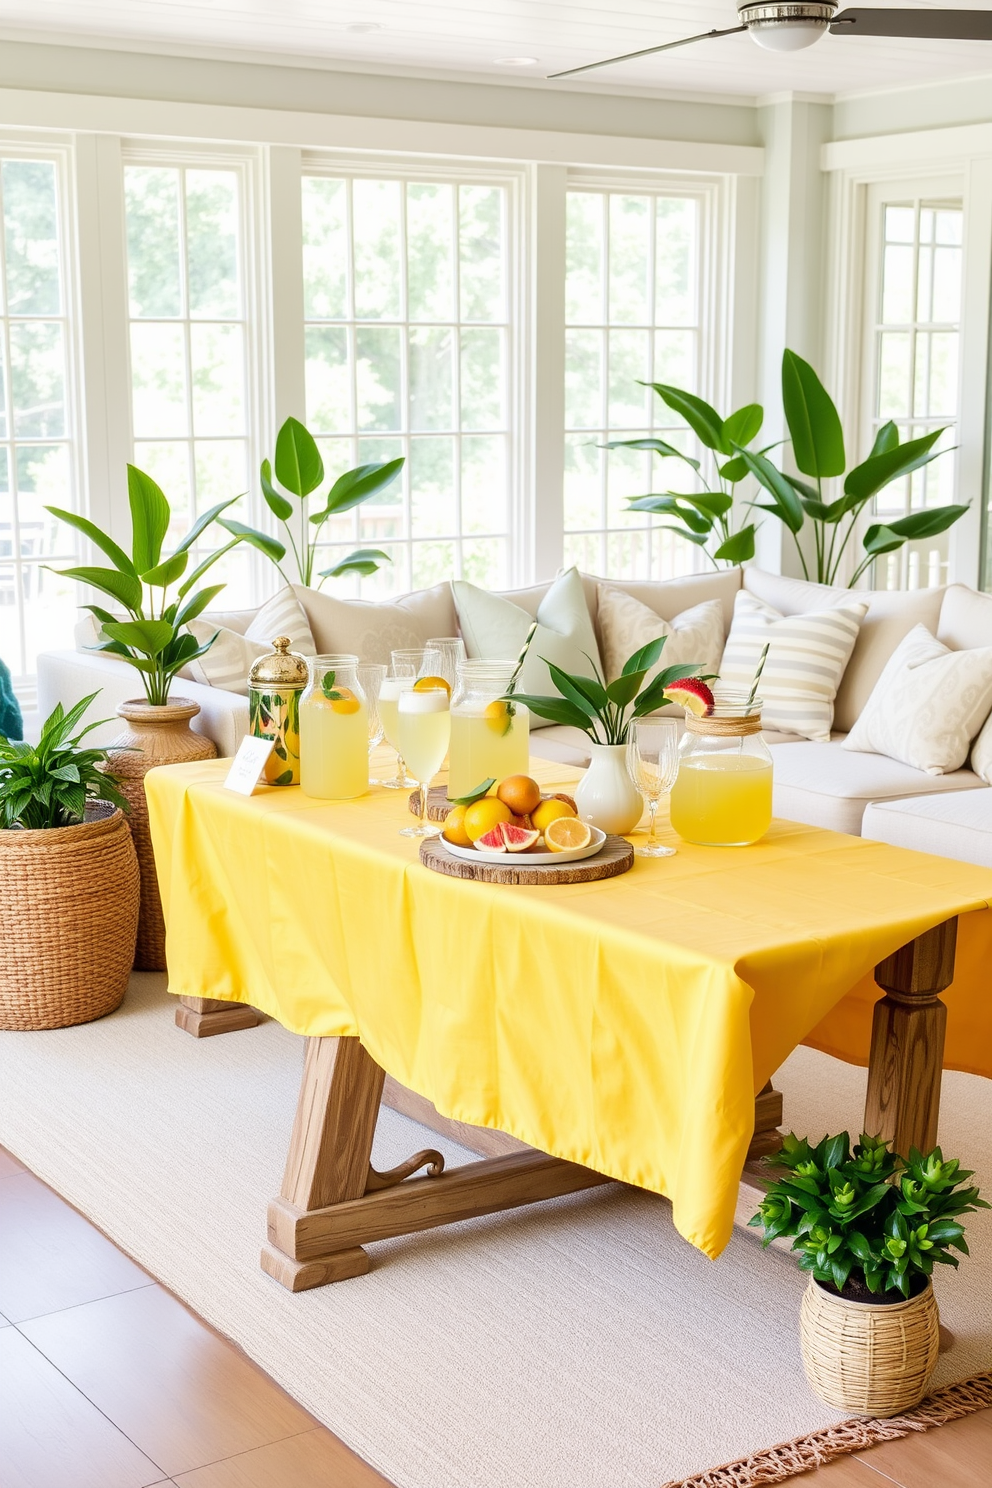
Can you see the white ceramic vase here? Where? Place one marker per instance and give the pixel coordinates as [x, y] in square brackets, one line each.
[606, 796]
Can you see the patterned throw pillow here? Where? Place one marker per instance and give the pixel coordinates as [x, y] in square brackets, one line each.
[625, 625]
[806, 660]
[927, 706]
[227, 664]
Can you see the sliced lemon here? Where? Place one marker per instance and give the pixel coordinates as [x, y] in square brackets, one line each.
[431, 684]
[565, 833]
[344, 701]
[497, 716]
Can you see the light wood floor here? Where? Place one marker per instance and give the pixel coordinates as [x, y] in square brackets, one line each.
[107, 1381]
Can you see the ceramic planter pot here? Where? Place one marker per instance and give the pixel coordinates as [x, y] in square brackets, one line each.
[157, 734]
[606, 797]
[869, 1358]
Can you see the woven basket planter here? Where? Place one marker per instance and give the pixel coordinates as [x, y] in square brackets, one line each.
[869, 1358]
[68, 918]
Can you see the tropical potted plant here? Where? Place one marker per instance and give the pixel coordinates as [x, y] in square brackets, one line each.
[606, 795]
[868, 1226]
[158, 598]
[68, 879]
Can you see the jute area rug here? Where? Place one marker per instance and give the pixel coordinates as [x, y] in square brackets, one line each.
[577, 1344]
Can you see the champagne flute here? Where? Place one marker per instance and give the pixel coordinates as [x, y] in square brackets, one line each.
[408, 663]
[451, 650]
[423, 729]
[370, 677]
[653, 763]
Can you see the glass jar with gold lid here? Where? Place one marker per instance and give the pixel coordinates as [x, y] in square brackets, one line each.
[275, 683]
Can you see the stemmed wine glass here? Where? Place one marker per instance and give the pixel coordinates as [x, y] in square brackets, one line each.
[370, 677]
[408, 663]
[653, 763]
[423, 727]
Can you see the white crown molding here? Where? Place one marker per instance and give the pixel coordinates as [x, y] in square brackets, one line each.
[914, 149]
[765, 100]
[859, 95]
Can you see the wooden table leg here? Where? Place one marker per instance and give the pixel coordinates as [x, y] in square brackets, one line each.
[205, 1016]
[907, 1041]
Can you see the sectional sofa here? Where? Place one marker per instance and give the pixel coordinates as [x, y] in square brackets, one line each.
[818, 783]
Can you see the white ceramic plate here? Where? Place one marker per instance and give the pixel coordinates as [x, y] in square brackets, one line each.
[570, 854]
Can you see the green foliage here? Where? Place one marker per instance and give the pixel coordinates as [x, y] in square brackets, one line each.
[299, 470]
[153, 638]
[867, 1214]
[818, 448]
[49, 783]
[604, 710]
[705, 517]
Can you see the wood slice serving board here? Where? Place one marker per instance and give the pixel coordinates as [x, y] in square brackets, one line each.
[615, 857]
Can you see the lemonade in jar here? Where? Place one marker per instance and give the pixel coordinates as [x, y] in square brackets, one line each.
[490, 736]
[334, 749]
[722, 796]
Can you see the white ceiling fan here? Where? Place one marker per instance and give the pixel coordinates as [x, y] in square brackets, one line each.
[791, 25]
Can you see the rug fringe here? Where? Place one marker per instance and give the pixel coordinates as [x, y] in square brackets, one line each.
[788, 1459]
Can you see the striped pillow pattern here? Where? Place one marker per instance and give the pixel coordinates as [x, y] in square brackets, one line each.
[227, 664]
[806, 660]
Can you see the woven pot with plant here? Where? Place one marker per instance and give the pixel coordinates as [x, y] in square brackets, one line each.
[869, 1226]
[68, 880]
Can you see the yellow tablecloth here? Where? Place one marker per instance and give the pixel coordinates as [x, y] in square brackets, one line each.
[625, 1025]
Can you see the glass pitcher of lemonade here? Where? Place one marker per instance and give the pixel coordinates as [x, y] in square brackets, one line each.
[334, 731]
[490, 739]
[722, 796]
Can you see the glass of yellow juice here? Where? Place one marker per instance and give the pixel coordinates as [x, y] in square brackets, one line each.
[407, 664]
[423, 727]
[490, 737]
[722, 796]
[334, 731]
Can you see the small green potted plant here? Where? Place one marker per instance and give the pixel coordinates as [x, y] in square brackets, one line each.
[606, 795]
[68, 879]
[868, 1226]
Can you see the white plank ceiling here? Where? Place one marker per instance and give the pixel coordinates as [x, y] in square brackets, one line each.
[469, 36]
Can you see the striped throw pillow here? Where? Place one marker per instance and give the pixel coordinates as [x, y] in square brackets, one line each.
[806, 660]
[227, 664]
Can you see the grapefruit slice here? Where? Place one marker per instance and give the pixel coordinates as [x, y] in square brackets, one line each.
[492, 841]
[517, 839]
[692, 694]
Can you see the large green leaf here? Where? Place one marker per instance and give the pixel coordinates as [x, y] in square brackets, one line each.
[357, 485]
[814, 423]
[363, 561]
[198, 604]
[881, 539]
[120, 586]
[658, 446]
[298, 464]
[106, 544]
[149, 518]
[624, 689]
[887, 438]
[712, 503]
[898, 460]
[557, 710]
[741, 427]
[739, 548]
[591, 689]
[787, 507]
[277, 502]
[168, 572]
[644, 658]
[671, 506]
[927, 523]
[147, 636]
[270, 546]
[568, 689]
[203, 522]
[703, 420]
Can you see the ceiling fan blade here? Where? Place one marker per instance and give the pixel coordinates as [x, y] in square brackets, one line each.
[931, 25]
[647, 52]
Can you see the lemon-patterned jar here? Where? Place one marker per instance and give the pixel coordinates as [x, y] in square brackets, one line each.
[275, 683]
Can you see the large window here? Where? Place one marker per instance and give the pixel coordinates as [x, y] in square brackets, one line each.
[37, 465]
[633, 317]
[408, 317]
[186, 291]
[916, 354]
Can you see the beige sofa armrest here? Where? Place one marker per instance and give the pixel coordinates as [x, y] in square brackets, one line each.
[66, 676]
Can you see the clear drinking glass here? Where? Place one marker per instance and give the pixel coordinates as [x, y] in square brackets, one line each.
[451, 650]
[423, 730]
[653, 764]
[408, 664]
[370, 677]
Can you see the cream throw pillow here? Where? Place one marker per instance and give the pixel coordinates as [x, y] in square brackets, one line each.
[625, 625]
[927, 705]
[227, 664]
[494, 629]
[806, 660]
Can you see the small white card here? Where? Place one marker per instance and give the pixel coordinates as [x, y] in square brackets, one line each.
[248, 764]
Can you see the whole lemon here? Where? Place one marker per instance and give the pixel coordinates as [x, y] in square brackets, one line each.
[453, 830]
[483, 815]
[520, 792]
[550, 811]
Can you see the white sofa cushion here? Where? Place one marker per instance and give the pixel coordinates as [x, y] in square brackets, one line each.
[891, 615]
[494, 629]
[625, 625]
[228, 662]
[928, 704]
[825, 785]
[806, 659]
[956, 825]
[371, 630]
[965, 618]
